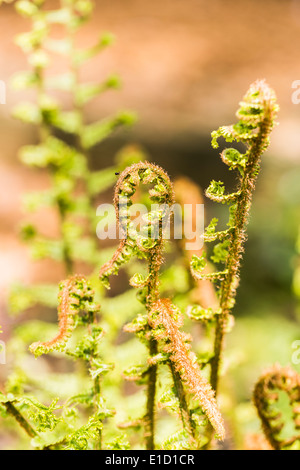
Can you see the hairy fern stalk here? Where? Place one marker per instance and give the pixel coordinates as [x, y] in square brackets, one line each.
[257, 114]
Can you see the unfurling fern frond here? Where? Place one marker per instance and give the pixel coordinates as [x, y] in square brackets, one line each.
[265, 396]
[257, 114]
[75, 295]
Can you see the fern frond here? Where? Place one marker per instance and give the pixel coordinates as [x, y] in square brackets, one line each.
[265, 397]
[75, 294]
[165, 317]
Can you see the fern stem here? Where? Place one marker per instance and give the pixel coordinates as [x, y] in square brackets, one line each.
[145, 173]
[151, 394]
[257, 114]
[237, 240]
[154, 262]
[13, 411]
[185, 415]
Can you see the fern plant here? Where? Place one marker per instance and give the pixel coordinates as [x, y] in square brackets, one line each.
[161, 321]
[76, 309]
[64, 150]
[74, 186]
[257, 114]
[159, 327]
[99, 333]
[266, 396]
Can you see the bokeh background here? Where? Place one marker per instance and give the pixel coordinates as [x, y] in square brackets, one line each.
[185, 65]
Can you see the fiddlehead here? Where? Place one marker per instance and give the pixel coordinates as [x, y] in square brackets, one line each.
[265, 397]
[75, 295]
[183, 366]
[256, 115]
[148, 244]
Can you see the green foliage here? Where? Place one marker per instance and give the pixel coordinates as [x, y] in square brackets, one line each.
[136, 336]
[76, 310]
[62, 150]
[67, 163]
[256, 115]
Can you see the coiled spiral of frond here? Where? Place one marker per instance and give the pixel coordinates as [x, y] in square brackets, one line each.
[265, 397]
[75, 295]
[148, 241]
[256, 114]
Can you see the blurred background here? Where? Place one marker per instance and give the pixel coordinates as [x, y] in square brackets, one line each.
[185, 65]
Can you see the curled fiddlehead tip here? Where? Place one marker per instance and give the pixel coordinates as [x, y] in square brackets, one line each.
[265, 397]
[145, 242]
[166, 320]
[258, 100]
[257, 115]
[75, 295]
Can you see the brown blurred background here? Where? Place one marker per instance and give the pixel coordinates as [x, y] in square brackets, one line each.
[185, 64]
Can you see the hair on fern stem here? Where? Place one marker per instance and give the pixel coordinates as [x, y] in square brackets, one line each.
[176, 345]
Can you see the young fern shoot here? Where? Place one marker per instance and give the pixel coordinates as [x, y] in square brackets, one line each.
[148, 244]
[75, 295]
[265, 396]
[78, 308]
[257, 114]
[140, 245]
